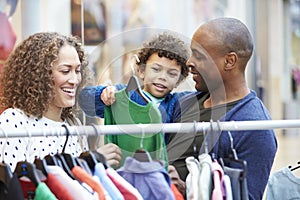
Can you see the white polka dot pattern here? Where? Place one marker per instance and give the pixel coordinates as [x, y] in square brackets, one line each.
[13, 150]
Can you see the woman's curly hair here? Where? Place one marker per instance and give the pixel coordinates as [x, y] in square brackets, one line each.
[27, 81]
[166, 45]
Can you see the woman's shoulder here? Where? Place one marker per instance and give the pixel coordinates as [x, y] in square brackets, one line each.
[12, 113]
[16, 118]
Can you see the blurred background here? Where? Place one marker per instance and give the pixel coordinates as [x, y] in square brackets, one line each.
[112, 30]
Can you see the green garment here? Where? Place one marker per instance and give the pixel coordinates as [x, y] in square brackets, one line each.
[42, 192]
[126, 111]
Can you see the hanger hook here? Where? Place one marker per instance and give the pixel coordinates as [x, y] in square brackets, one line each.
[194, 142]
[97, 134]
[67, 137]
[205, 141]
[28, 144]
[142, 139]
[134, 59]
[231, 139]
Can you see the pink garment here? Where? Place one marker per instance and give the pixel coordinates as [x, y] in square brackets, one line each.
[217, 171]
[57, 188]
[7, 37]
[127, 190]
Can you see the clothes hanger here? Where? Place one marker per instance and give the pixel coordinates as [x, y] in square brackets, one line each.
[94, 157]
[69, 159]
[133, 83]
[101, 158]
[233, 158]
[194, 142]
[65, 161]
[98, 156]
[28, 170]
[90, 159]
[142, 154]
[5, 170]
[83, 164]
[41, 164]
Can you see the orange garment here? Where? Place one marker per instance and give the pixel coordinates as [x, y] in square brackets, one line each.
[177, 194]
[83, 176]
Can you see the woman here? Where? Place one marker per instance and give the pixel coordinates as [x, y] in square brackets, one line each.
[40, 81]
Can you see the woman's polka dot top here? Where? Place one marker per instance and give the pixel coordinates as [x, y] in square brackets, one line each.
[15, 149]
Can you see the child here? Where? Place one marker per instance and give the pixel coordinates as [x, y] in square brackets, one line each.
[161, 67]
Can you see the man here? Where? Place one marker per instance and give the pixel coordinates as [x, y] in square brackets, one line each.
[221, 49]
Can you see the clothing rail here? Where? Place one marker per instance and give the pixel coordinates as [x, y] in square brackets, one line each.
[152, 128]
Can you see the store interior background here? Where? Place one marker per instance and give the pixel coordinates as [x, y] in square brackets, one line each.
[112, 30]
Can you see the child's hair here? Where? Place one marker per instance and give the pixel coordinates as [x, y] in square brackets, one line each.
[166, 45]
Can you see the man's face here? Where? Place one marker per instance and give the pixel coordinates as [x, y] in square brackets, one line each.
[205, 61]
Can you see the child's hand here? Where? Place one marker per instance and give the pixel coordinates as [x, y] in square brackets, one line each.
[108, 95]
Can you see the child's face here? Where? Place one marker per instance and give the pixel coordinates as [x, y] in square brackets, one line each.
[161, 75]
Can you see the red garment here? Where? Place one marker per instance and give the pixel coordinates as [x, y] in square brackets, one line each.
[28, 188]
[7, 37]
[57, 188]
[83, 176]
[177, 194]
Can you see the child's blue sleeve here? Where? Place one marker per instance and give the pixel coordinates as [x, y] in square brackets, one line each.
[90, 101]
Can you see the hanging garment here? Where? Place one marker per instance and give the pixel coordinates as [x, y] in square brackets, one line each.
[58, 189]
[127, 190]
[126, 111]
[12, 190]
[192, 179]
[43, 192]
[7, 37]
[205, 179]
[217, 172]
[238, 183]
[199, 178]
[149, 178]
[77, 191]
[177, 194]
[283, 185]
[107, 183]
[227, 187]
[83, 176]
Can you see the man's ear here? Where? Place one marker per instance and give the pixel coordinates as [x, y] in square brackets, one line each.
[230, 61]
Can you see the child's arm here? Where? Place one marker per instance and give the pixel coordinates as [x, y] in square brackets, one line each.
[90, 99]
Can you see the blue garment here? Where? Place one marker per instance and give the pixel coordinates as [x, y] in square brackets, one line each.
[91, 103]
[107, 183]
[150, 178]
[283, 184]
[257, 147]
